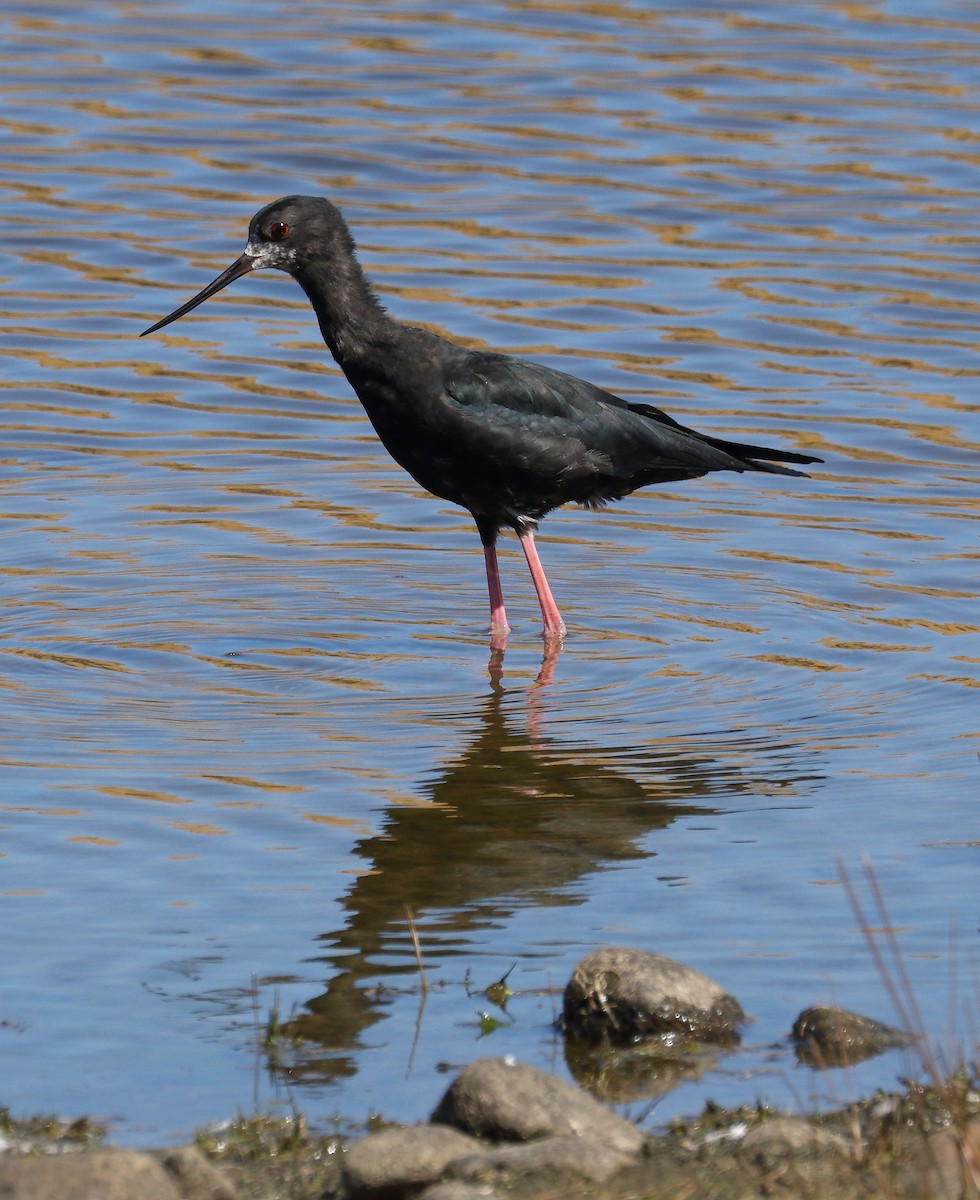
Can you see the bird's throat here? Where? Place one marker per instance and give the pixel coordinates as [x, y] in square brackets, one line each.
[351, 318]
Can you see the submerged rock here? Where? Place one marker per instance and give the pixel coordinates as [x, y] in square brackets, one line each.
[622, 995]
[834, 1037]
[618, 1073]
[505, 1100]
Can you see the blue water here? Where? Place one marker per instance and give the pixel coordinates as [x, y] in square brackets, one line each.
[246, 716]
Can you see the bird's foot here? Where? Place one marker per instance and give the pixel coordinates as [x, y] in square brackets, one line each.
[498, 637]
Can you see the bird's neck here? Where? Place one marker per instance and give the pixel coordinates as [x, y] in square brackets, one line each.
[351, 316]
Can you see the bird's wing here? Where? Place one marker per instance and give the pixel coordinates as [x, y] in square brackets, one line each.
[544, 403]
[633, 435]
[528, 390]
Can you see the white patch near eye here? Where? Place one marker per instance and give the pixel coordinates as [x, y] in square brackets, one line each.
[270, 254]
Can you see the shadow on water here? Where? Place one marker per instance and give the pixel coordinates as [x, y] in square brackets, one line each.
[518, 819]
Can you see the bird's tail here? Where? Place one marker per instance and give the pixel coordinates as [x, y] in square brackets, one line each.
[747, 457]
[763, 458]
[756, 458]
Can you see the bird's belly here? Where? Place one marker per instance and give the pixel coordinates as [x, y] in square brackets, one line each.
[487, 470]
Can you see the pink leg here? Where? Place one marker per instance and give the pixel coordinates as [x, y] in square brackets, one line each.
[498, 618]
[554, 626]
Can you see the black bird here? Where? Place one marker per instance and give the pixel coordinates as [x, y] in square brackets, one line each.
[507, 439]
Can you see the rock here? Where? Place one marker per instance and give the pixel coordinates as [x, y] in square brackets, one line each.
[950, 1162]
[783, 1138]
[834, 1037]
[196, 1178]
[97, 1175]
[584, 1157]
[498, 1098]
[454, 1190]
[620, 995]
[399, 1160]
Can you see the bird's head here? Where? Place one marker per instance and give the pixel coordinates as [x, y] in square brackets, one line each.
[289, 233]
[286, 235]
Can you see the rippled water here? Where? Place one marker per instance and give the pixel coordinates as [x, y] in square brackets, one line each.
[245, 704]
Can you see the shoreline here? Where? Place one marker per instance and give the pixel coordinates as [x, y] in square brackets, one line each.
[917, 1143]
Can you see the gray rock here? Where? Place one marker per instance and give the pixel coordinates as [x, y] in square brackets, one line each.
[584, 1157]
[497, 1098]
[399, 1160]
[621, 995]
[834, 1037]
[195, 1176]
[784, 1138]
[455, 1190]
[949, 1160]
[97, 1175]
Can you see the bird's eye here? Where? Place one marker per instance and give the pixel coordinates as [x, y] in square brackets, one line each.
[278, 231]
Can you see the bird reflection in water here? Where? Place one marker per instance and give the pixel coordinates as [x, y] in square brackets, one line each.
[546, 672]
[518, 819]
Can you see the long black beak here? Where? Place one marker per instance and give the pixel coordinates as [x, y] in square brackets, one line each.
[237, 269]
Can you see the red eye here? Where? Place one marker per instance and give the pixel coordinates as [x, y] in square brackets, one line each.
[278, 231]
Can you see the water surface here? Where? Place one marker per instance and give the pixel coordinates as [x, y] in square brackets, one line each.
[246, 716]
